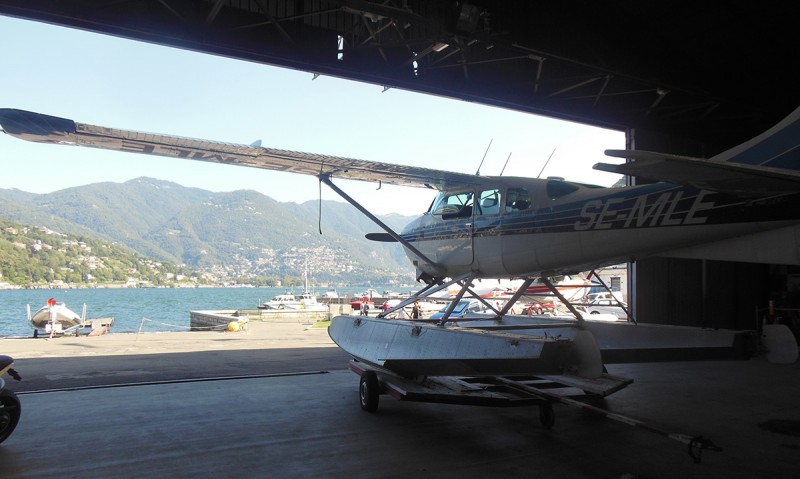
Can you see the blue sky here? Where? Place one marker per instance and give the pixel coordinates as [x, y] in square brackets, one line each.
[107, 81]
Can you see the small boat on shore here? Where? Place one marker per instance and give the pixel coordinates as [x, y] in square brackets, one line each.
[56, 318]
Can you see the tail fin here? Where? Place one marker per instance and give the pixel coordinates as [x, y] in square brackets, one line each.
[778, 147]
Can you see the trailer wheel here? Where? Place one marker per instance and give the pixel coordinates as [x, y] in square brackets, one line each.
[546, 415]
[369, 391]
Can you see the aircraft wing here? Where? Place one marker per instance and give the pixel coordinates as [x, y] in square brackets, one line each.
[49, 129]
[722, 176]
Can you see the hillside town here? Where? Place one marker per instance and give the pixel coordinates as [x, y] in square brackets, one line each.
[40, 257]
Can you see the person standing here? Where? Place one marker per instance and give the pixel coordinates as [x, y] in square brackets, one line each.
[416, 312]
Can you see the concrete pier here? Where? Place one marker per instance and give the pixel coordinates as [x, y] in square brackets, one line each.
[218, 320]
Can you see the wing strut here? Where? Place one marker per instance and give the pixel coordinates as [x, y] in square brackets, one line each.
[563, 300]
[327, 180]
[428, 290]
[520, 292]
[619, 303]
[465, 284]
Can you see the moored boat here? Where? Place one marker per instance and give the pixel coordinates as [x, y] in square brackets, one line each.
[304, 301]
[56, 316]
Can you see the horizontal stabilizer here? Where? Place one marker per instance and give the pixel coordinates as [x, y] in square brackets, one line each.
[766, 165]
[725, 177]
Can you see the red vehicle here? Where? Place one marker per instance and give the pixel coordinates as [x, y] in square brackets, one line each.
[539, 308]
[356, 303]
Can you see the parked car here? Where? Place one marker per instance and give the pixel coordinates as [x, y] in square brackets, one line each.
[607, 306]
[540, 307]
[463, 308]
[604, 295]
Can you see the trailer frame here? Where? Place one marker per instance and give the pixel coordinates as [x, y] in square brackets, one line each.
[509, 391]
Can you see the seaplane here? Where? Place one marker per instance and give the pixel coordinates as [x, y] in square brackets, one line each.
[736, 205]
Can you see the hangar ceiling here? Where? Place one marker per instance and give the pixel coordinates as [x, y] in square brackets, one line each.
[713, 72]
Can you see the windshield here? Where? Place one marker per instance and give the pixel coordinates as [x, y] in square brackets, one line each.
[453, 204]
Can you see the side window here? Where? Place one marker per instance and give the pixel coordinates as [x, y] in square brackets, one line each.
[455, 205]
[517, 199]
[556, 189]
[489, 203]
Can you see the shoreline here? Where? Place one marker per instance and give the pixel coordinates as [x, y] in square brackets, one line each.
[260, 335]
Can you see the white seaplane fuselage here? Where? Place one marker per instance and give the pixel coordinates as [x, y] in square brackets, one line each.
[564, 227]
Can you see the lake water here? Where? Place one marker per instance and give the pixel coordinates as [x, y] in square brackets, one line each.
[152, 309]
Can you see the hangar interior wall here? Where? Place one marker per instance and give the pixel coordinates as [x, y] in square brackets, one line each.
[691, 292]
[701, 293]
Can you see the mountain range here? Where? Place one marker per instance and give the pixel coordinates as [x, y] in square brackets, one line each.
[232, 234]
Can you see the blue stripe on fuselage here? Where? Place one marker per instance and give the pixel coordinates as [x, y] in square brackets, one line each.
[649, 206]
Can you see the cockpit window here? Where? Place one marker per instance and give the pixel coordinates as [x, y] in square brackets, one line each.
[556, 189]
[453, 205]
[517, 199]
[489, 202]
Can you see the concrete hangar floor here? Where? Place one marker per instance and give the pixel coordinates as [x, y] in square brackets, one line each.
[213, 406]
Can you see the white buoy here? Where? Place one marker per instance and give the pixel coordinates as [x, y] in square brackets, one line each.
[780, 344]
[589, 360]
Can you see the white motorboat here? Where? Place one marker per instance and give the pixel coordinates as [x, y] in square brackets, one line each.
[305, 301]
[57, 317]
[282, 301]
